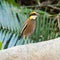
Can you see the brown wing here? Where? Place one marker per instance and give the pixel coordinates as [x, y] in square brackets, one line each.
[24, 26]
[22, 32]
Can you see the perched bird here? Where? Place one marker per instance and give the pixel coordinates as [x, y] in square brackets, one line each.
[29, 25]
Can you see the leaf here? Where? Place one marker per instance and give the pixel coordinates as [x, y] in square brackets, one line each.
[0, 45]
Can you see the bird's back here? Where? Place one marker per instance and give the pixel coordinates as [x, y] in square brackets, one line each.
[29, 27]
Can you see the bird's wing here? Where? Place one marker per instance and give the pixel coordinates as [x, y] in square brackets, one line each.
[25, 25]
[22, 32]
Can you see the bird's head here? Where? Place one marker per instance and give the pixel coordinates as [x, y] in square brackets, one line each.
[33, 15]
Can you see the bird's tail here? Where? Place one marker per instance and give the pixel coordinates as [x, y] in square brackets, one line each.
[19, 37]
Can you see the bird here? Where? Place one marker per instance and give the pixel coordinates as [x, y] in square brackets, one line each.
[29, 25]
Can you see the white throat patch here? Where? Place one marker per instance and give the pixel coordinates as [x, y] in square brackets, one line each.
[34, 17]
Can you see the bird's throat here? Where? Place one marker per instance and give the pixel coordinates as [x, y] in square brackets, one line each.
[32, 17]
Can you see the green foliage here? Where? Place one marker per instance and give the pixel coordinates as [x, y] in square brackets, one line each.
[0, 45]
[11, 22]
[10, 2]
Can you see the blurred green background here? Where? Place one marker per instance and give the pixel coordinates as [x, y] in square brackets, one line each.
[12, 18]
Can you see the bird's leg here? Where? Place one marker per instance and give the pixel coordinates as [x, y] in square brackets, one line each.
[25, 39]
[28, 40]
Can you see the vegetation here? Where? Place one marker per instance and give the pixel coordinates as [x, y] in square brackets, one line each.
[0, 45]
[12, 18]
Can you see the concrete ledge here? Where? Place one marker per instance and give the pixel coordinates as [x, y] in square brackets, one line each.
[47, 50]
